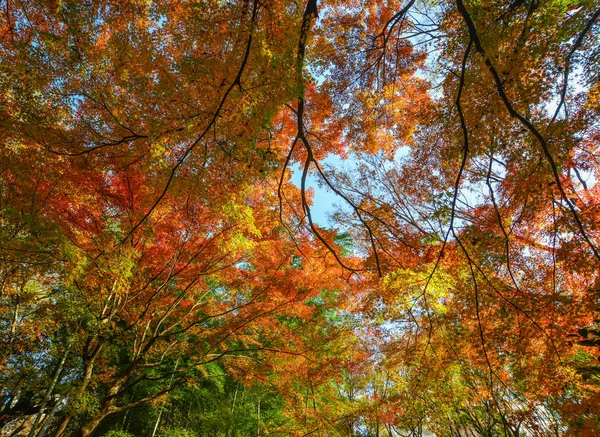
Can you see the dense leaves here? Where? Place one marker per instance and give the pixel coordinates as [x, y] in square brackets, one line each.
[162, 271]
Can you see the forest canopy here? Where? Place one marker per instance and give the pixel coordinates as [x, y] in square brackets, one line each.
[162, 272]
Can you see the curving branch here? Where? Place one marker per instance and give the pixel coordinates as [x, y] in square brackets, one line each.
[310, 14]
[576, 46]
[525, 122]
[209, 126]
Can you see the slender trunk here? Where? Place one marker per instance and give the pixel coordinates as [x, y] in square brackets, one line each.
[157, 422]
[89, 371]
[161, 410]
[258, 418]
[13, 324]
[48, 419]
[49, 392]
[235, 396]
[125, 425]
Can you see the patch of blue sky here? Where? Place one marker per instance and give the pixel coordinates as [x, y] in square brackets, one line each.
[474, 190]
[325, 201]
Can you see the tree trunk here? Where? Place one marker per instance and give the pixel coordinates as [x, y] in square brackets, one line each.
[63, 425]
[89, 427]
[48, 419]
[89, 370]
[258, 418]
[48, 394]
[13, 325]
[157, 422]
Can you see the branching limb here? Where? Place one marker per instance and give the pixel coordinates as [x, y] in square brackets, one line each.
[211, 123]
[525, 122]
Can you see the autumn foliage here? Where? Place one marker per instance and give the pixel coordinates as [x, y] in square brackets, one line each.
[162, 267]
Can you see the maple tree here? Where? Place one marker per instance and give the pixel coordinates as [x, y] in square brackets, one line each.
[156, 250]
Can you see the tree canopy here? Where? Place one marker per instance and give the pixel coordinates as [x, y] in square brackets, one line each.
[162, 272]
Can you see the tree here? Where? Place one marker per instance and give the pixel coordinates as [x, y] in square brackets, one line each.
[486, 198]
[150, 229]
[168, 249]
